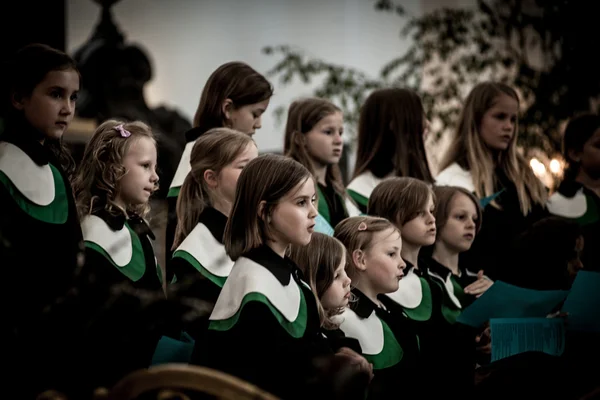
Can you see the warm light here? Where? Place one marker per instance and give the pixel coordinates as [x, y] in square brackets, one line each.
[539, 169]
[555, 166]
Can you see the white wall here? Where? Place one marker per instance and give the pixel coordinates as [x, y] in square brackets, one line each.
[188, 39]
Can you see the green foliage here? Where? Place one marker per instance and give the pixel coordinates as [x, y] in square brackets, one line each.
[543, 48]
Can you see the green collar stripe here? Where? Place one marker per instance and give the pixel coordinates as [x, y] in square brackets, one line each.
[56, 212]
[592, 214]
[423, 311]
[174, 192]
[323, 209]
[136, 267]
[296, 328]
[390, 355]
[358, 198]
[217, 280]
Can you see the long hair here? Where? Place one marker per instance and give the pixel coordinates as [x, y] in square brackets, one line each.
[303, 116]
[267, 178]
[390, 135]
[470, 152]
[96, 184]
[27, 69]
[318, 261]
[236, 81]
[214, 150]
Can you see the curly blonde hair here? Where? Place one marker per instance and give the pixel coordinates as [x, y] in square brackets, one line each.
[96, 183]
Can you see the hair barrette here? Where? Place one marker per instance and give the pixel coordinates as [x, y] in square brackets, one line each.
[362, 226]
[124, 132]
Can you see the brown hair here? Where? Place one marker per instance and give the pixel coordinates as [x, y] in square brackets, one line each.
[443, 199]
[399, 199]
[470, 152]
[236, 81]
[214, 150]
[578, 131]
[267, 178]
[353, 238]
[96, 183]
[303, 116]
[318, 261]
[390, 135]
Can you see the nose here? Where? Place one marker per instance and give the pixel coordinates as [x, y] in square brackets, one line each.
[337, 138]
[154, 177]
[430, 218]
[401, 264]
[312, 213]
[258, 123]
[347, 281]
[470, 223]
[509, 125]
[68, 107]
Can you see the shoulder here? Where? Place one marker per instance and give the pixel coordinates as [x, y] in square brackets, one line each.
[455, 175]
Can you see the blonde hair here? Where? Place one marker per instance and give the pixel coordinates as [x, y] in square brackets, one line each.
[400, 199]
[318, 261]
[356, 233]
[443, 198]
[470, 152]
[267, 178]
[303, 116]
[96, 183]
[214, 150]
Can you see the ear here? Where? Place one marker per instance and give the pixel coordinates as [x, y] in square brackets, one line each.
[299, 138]
[574, 155]
[16, 100]
[211, 178]
[227, 108]
[358, 257]
[261, 212]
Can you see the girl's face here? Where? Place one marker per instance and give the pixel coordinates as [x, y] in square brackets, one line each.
[382, 262]
[459, 231]
[499, 123]
[420, 231]
[324, 142]
[140, 179]
[338, 294]
[293, 219]
[589, 157]
[246, 119]
[228, 177]
[51, 105]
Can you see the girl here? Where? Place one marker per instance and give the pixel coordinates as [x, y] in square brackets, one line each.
[483, 158]
[112, 189]
[458, 219]
[323, 263]
[265, 313]
[385, 336]
[410, 203]
[40, 236]
[313, 137]
[391, 132]
[203, 206]
[578, 196]
[235, 96]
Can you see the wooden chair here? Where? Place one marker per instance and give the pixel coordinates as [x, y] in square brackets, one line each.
[177, 377]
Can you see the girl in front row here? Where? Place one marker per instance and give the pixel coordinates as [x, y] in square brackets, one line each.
[112, 189]
[265, 325]
[323, 262]
[203, 206]
[385, 335]
[313, 137]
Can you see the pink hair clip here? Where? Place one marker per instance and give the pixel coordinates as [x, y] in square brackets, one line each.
[124, 132]
[362, 226]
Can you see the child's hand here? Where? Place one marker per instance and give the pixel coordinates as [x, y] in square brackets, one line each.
[558, 314]
[478, 287]
[484, 341]
[356, 359]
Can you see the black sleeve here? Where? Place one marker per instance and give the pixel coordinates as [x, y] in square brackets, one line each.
[337, 339]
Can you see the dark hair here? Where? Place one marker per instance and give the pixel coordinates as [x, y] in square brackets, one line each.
[267, 178]
[236, 81]
[578, 131]
[390, 135]
[23, 73]
[399, 199]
